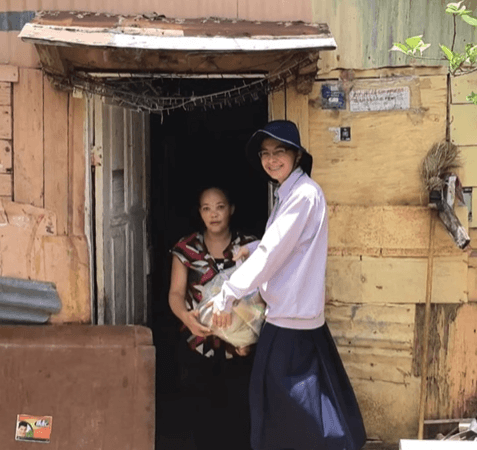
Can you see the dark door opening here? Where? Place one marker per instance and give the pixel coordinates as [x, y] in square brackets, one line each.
[191, 150]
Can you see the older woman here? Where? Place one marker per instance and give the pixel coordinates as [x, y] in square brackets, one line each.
[214, 374]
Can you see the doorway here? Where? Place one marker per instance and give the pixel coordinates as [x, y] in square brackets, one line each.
[191, 150]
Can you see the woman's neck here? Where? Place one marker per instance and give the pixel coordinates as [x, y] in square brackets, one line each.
[217, 242]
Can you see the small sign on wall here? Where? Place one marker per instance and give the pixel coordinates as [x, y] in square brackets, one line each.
[385, 99]
[332, 97]
[33, 428]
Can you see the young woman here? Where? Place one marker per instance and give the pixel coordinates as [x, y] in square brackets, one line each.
[300, 394]
[214, 375]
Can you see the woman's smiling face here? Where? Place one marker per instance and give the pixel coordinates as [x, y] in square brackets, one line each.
[277, 161]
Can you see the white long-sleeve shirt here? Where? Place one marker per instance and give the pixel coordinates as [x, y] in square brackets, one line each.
[289, 262]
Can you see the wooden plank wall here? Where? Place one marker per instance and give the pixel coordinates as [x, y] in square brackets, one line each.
[7, 76]
[378, 250]
[41, 131]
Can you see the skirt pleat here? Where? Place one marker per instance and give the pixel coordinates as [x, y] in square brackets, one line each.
[300, 394]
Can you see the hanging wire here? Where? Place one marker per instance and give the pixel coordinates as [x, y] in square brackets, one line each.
[151, 94]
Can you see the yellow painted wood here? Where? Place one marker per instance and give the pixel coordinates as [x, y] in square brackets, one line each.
[380, 165]
[388, 231]
[276, 105]
[5, 122]
[468, 172]
[298, 112]
[463, 119]
[378, 327]
[375, 343]
[5, 94]
[382, 403]
[5, 156]
[462, 86]
[386, 72]
[355, 279]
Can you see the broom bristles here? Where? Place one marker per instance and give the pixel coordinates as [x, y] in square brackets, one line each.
[442, 158]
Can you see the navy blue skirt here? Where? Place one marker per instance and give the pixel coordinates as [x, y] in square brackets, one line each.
[300, 394]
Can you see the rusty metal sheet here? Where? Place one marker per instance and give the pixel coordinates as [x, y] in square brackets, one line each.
[95, 382]
[209, 26]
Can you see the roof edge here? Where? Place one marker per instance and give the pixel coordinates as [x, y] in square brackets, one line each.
[167, 39]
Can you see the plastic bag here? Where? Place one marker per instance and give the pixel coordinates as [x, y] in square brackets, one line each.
[248, 313]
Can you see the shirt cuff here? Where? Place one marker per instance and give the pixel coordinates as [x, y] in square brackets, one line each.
[252, 246]
[221, 303]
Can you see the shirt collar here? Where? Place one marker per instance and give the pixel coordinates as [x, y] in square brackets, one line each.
[287, 185]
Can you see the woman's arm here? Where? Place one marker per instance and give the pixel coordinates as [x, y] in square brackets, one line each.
[277, 244]
[177, 294]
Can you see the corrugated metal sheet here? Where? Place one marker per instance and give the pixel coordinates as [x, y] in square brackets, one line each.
[14, 21]
[27, 301]
[366, 29]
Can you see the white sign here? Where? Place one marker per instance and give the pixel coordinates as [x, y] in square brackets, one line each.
[385, 99]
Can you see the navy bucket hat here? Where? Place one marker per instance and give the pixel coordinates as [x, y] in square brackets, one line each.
[284, 131]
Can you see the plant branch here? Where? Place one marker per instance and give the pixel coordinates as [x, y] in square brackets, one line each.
[455, 33]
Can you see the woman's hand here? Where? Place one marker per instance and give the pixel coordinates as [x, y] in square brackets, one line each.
[242, 254]
[243, 351]
[191, 321]
[221, 319]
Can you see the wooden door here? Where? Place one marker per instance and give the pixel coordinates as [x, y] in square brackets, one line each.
[121, 204]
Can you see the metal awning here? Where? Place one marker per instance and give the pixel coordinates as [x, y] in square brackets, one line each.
[97, 42]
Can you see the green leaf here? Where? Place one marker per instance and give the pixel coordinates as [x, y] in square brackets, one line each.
[454, 8]
[413, 42]
[471, 53]
[470, 20]
[398, 47]
[472, 98]
[447, 52]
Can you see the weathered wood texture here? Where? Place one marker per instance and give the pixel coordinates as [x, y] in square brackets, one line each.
[356, 279]
[468, 172]
[452, 390]
[56, 154]
[375, 343]
[5, 122]
[49, 170]
[380, 164]
[5, 185]
[298, 111]
[28, 161]
[77, 168]
[31, 249]
[463, 119]
[462, 86]
[388, 231]
[277, 105]
[5, 93]
[8, 73]
[472, 272]
[5, 156]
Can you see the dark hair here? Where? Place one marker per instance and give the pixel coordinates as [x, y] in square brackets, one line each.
[224, 191]
[23, 424]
